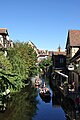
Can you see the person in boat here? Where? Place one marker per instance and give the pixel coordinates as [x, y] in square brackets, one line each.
[44, 84]
[42, 90]
[45, 90]
[37, 82]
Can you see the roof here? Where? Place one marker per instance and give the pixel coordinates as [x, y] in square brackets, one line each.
[50, 52]
[3, 30]
[43, 52]
[31, 43]
[59, 53]
[74, 38]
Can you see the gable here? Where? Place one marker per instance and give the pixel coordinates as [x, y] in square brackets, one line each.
[73, 38]
[76, 56]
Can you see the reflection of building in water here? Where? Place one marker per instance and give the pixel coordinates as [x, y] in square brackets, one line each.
[56, 99]
[66, 104]
[69, 108]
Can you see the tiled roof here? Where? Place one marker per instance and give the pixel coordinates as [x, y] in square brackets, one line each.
[74, 37]
[3, 30]
[50, 52]
[59, 53]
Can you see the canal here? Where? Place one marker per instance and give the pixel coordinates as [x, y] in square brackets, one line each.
[28, 105]
[49, 109]
[57, 108]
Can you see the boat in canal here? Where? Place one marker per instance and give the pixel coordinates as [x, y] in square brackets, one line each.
[46, 97]
[45, 93]
[38, 82]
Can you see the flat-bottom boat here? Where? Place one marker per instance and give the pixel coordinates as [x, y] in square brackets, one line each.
[45, 94]
[38, 82]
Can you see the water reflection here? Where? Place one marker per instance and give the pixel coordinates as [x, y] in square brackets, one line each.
[2, 103]
[46, 111]
[45, 99]
[67, 105]
[29, 105]
[22, 106]
[69, 108]
[49, 109]
[56, 99]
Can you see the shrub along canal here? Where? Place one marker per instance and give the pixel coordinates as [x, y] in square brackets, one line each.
[28, 105]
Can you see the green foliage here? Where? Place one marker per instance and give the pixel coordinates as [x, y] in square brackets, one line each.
[23, 105]
[5, 73]
[23, 60]
[5, 63]
[18, 66]
[45, 63]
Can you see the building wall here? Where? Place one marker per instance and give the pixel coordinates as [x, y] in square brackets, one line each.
[74, 77]
[34, 47]
[1, 40]
[74, 50]
[59, 61]
[70, 53]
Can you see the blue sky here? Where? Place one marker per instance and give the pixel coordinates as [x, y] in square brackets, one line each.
[44, 22]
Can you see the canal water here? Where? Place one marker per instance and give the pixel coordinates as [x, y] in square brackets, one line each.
[49, 110]
[28, 105]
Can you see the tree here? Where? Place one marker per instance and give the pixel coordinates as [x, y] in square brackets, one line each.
[23, 59]
[45, 64]
[5, 73]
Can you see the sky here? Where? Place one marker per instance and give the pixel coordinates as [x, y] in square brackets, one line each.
[44, 22]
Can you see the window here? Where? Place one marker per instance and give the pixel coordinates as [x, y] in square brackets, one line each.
[61, 60]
